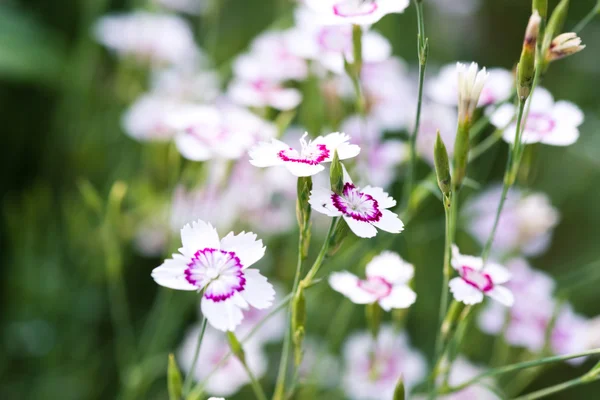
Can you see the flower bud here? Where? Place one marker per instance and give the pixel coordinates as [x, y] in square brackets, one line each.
[541, 6]
[470, 84]
[526, 67]
[298, 323]
[399, 392]
[236, 347]
[442, 166]
[303, 211]
[461, 155]
[173, 379]
[555, 23]
[373, 313]
[336, 174]
[564, 45]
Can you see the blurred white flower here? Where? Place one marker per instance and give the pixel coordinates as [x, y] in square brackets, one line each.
[354, 12]
[262, 93]
[331, 44]
[220, 268]
[443, 88]
[375, 378]
[309, 160]
[231, 376]
[380, 163]
[435, 117]
[191, 82]
[477, 280]
[363, 210]
[548, 122]
[155, 38]
[147, 118]
[387, 281]
[205, 132]
[570, 334]
[525, 224]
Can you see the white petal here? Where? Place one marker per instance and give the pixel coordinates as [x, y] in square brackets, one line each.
[223, 315]
[464, 292]
[502, 295]
[460, 260]
[171, 274]
[384, 199]
[265, 154]
[497, 272]
[301, 169]
[258, 292]
[389, 222]
[244, 94]
[541, 100]
[347, 150]
[245, 246]
[376, 48]
[510, 133]
[285, 99]
[332, 141]
[391, 267]
[561, 136]
[503, 116]
[360, 228]
[320, 201]
[198, 236]
[401, 297]
[567, 113]
[192, 148]
[347, 284]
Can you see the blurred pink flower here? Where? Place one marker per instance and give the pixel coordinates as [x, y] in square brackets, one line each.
[354, 12]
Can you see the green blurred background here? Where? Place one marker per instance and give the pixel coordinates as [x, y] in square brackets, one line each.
[60, 111]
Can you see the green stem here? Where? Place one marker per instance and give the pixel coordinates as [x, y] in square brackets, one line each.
[422, 49]
[516, 367]
[188, 379]
[256, 387]
[511, 166]
[558, 388]
[448, 208]
[485, 145]
[588, 18]
[322, 254]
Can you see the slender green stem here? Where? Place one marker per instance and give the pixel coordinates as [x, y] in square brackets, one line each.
[188, 379]
[422, 49]
[256, 387]
[588, 18]
[322, 253]
[446, 272]
[516, 367]
[485, 144]
[511, 166]
[558, 388]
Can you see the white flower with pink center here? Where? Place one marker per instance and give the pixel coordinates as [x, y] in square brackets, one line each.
[443, 88]
[205, 132]
[548, 122]
[231, 376]
[219, 268]
[364, 210]
[259, 92]
[387, 281]
[148, 37]
[477, 280]
[373, 368]
[309, 160]
[354, 12]
[147, 118]
[331, 44]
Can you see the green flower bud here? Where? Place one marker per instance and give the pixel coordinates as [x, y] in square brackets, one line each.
[526, 67]
[303, 211]
[336, 240]
[298, 323]
[442, 166]
[461, 155]
[399, 392]
[236, 347]
[336, 174]
[174, 382]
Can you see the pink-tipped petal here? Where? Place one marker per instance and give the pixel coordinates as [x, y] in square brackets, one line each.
[348, 284]
[464, 292]
[171, 274]
[223, 315]
[266, 154]
[320, 201]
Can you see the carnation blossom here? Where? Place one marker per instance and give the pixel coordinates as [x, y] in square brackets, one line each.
[525, 224]
[443, 88]
[364, 210]
[354, 12]
[387, 281]
[154, 38]
[548, 122]
[205, 132]
[219, 268]
[309, 160]
[478, 279]
[231, 375]
[373, 368]
[471, 81]
[330, 45]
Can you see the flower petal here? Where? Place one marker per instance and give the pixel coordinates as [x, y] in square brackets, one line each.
[460, 260]
[266, 154]
[245, 246]
[391, 267]
[502, 295]
[561, 136]
[464, 292]
[301, 169]
[171, 274]
[567, 113]
[360, 228]
[401, 297]
[347, 284]
[197, 236]
[192, 148]
[285, 99]
[389, 222]
[258, 292]
[384, 199]
[497, 272]
[223, 315]
[320, 201]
